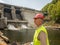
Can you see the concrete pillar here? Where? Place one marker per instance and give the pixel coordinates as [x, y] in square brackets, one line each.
[2, 11]
[2, 14]
[13, 13]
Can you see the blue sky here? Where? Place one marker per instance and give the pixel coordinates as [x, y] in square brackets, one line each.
[34, 4]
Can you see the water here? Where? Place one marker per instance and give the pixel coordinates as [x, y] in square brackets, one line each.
[26, 35]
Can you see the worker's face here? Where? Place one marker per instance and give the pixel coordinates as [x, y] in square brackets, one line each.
[38, 21]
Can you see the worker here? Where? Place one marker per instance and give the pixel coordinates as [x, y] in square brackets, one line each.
[41, 35]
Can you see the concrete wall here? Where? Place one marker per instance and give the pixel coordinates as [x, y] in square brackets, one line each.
[29, 15]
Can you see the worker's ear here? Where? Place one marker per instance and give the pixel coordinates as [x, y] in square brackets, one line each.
[43, 21]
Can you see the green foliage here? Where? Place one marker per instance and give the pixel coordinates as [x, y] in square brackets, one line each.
[54, 1]
[58, 10]
[53, 10]
[45, 8]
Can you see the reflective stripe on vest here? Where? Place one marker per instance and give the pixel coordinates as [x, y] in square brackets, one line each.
[35, 40]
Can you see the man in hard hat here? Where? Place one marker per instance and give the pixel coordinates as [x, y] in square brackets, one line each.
[41, 35]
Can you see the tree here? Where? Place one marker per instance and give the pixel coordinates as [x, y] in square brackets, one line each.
[58, 11]
[54, 1]
[53, 10]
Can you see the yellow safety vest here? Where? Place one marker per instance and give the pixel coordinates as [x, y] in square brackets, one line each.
[35, 40]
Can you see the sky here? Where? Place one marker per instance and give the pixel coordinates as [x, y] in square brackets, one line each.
[33, 4]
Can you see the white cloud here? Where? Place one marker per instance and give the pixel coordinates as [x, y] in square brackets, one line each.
[2, 1]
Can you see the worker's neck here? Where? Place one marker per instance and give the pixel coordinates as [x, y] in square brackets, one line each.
[39, 25]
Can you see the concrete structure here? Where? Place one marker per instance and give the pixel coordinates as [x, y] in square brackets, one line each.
[17, 15]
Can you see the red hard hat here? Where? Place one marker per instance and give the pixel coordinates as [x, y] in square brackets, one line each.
[40, 15]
